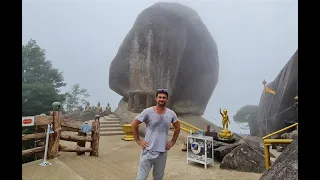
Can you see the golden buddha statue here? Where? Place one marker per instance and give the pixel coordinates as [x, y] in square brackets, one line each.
[225, 133]
[88, 107]
[99, 108]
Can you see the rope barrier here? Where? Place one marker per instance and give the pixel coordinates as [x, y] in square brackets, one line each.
[277, 114]
[291, 107]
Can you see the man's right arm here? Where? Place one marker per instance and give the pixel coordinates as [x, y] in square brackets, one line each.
[135, 125]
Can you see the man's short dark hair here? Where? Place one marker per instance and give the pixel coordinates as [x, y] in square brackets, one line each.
[162, 91]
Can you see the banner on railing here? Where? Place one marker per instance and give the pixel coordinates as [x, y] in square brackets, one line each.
[28, 121]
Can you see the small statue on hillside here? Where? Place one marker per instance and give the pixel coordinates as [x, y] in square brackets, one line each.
[108, 109]
[225, 134]
[225, 118]
[99, 108]
[88, 107]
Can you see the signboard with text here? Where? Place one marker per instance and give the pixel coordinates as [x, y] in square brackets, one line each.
[200, 149]
[28, 121]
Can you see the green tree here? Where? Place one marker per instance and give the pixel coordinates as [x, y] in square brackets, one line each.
[248, 113]
[40, 81]
[40, 87]
[75, 97]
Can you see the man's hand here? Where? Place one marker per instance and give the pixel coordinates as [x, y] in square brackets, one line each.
[169, 145]
[143, 143]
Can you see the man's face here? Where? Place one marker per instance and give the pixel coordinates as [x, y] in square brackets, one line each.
[161, 99]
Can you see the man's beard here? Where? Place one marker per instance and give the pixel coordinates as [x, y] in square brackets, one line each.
[161, 104]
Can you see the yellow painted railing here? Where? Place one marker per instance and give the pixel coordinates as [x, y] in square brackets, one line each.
[188, 127]
[268, 142]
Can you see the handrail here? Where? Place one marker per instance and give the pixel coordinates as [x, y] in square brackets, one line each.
[281, 130]
[185, 129]
[58, 123]
[277, 141]
[268, 142]
[190, 127]
[182, 122]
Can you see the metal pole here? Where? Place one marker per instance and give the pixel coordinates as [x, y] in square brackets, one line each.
[205, 153]
[212, 152]
[47, 143]
[45, 162]
[267, 155]
[188, 149]
[264, 96]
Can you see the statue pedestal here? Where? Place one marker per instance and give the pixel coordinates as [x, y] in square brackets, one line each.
[128, 132]
[225, 135]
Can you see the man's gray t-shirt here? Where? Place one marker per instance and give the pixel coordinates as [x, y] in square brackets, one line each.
[157, 127]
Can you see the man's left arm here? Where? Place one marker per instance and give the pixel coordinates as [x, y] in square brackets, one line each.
[176, 126]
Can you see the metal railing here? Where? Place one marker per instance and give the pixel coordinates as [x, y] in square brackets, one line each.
[268, 142]
[188, 127]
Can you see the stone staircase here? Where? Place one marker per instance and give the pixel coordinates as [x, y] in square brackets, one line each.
[110, 126]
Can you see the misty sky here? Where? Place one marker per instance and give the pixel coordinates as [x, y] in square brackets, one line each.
[255, 39]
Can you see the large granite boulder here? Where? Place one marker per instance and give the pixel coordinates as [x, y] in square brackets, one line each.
[285, 166]
[222, 150]
[271, 106]
[167, 47]
[290, 135]
[244, 158]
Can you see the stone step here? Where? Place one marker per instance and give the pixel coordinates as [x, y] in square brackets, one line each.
[108, 117]
[109, 125]
[113, 116]
[110, 129]
[109, 122]
[111, 119]
[85, 168]
[112, 133]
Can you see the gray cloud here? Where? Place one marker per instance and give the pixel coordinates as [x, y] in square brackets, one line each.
[255, 40]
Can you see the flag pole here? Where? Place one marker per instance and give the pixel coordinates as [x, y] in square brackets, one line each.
[264, 82]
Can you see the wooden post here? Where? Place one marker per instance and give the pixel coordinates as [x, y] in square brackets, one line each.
[54, 138]
[81, 143]
[95, 138]
[208, 128]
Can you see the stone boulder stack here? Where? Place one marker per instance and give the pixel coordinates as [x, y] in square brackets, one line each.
[168, 47]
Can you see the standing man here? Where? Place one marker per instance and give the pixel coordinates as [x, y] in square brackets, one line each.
[155, 145]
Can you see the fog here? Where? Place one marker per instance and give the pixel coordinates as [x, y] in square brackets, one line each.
[255, 39]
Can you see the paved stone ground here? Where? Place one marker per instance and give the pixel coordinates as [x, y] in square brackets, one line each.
[119, 159]
[125, 156]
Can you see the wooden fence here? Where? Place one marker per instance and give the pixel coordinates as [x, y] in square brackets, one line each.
[59, 124]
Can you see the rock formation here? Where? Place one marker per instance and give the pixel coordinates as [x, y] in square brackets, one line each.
[244, 158]
[285, 166]
[286, 87]
[168, 47]
[243, 155]
[290, 135]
